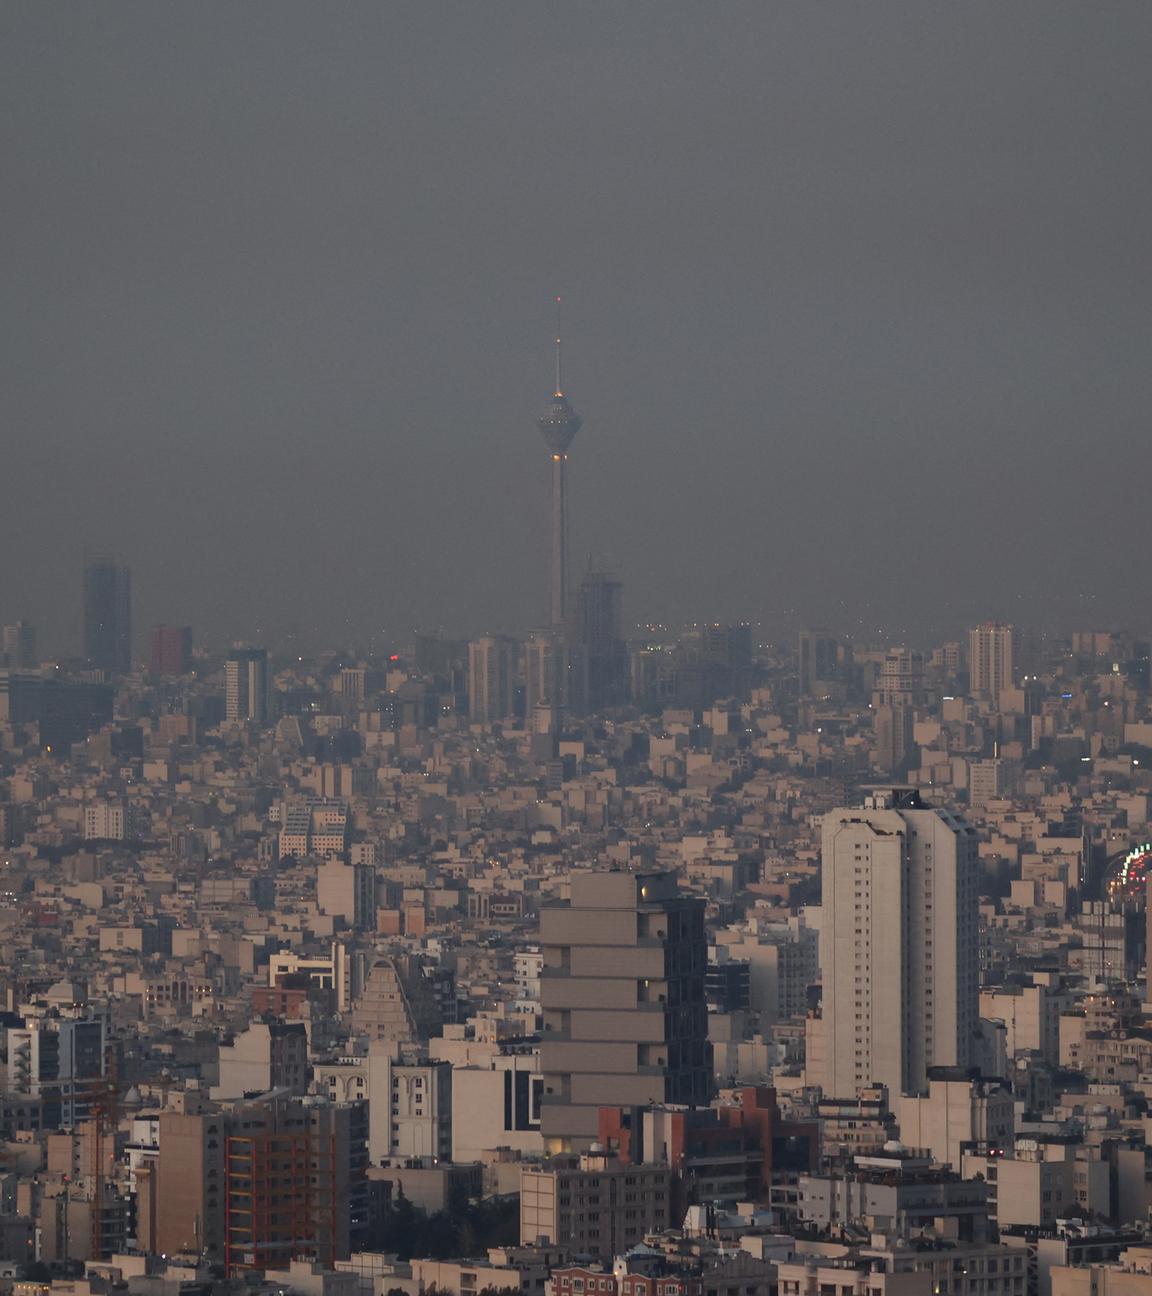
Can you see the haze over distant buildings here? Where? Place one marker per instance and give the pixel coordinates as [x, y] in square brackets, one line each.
[717, 862]
[855, 307]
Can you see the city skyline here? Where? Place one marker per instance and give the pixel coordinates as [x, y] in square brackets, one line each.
[725, 870]
[872, 275]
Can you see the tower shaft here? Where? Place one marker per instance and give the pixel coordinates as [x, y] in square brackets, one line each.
[559, 540]
[558, 425]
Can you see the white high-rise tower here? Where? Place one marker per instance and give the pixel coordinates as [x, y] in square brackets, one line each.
[246, 686]
[990, 665]
[898, 944]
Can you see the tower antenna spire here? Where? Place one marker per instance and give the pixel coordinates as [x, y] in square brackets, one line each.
[559, 371]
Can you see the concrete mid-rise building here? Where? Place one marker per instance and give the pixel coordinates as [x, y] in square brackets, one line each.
[593, 1205]
[409, 1100]
[59, 1061]
[108, 821]
[318, 828]
[1030, 1010]
[1092, 1251]
[894, 1266]
[333, 971]
[1041, 1181]
[959, 1113]
[189, 1197]
[347, 891]
[783, 960]
[728, 1153]
[293, 1181]
[990, 780]
[894, 1188]
[265, 1056]
[398, 1001]
[622, 990]
[497, 1105]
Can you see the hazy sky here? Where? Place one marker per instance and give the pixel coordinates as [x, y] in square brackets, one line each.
[856, 294]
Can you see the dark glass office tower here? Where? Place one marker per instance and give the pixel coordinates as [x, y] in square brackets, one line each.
[108, 616]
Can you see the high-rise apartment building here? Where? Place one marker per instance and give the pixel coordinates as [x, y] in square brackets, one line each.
[818, 659]
[893, 725]
[622, 990]
[899, 948]
[171, 650]
[597, 628]
[898, 690]
[246, 686]
[491, 671]
[900, 681]
[19, 646]
[990, 666]
[108, 616]
[547, 683]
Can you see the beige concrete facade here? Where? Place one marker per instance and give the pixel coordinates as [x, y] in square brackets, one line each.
[1132, 1276]
[594, 1206]
[622, 989]
[954, 1113]
[898, 945]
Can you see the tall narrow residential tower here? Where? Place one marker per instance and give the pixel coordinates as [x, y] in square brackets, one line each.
[246, 686]
[990, 666]
[558, 425]
[898, 944]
